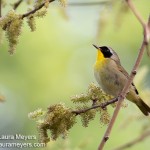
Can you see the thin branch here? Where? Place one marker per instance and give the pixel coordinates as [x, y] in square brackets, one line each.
[148, 27]
[135, 141]
[29, 13]
[136, 13]
[71, 4]
[15, 5]
[89, 3]
[132, 74]
[34, 10]
[103, 105]
[0, 8]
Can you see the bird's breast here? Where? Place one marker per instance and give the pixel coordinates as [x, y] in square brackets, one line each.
[108, 77]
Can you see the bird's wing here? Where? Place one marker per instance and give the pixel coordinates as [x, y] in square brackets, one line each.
[121, 69]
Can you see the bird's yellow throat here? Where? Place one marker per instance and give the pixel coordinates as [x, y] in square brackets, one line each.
[100, 56]
[100, 60]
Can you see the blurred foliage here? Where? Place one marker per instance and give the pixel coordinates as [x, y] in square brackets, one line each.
[56, 61]
[12, 22]
[2, 98]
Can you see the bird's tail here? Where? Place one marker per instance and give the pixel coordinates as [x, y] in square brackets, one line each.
[143, 107]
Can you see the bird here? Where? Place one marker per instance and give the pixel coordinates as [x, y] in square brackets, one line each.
[112, 77]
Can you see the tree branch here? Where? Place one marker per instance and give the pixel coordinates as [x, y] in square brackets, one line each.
[0, 8]
[15, 5]
[136, 13]
[29, 13]
[140, 138]
[71, 4]
[34, 10]
[103, 105]
[89, 4]
[132, 74]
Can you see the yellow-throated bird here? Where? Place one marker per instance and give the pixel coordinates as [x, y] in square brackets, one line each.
[112, 77]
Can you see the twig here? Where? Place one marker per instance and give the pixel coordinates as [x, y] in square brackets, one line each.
[29, 13]
[132, 75]
[103, 105]
[71, 4]
[94, 102]
[15, 5]
[148, 26]
[34, 10]
[135, 12]
[89, 4]
[0, 8]
[135, 141]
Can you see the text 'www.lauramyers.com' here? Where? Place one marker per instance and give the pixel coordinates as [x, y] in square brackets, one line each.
[19, 141]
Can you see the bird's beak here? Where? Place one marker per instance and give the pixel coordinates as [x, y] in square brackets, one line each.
[95, 46]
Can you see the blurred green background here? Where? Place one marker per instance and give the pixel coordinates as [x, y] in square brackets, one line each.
[56, 62]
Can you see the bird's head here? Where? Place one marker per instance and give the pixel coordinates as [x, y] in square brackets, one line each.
[106, 52]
